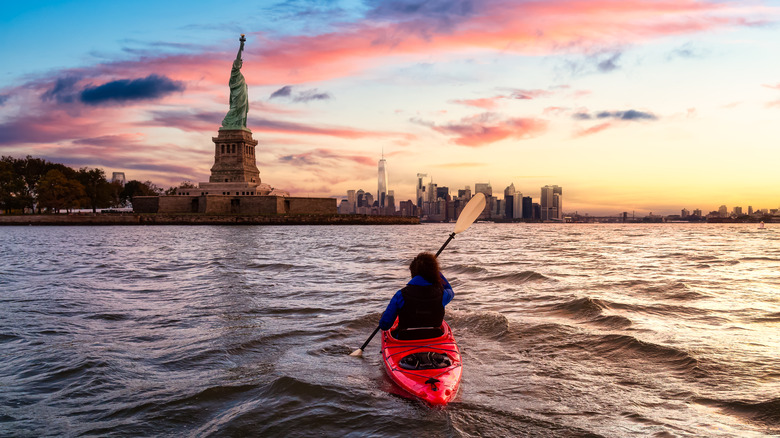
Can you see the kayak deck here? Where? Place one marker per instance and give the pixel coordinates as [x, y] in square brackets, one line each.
[437, 386]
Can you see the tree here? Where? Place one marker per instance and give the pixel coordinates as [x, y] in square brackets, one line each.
[137, 188]
[183, 185]
[55, 192]
[12, 187]
[99, 192]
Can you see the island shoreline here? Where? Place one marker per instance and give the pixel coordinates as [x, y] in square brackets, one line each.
[199, 219]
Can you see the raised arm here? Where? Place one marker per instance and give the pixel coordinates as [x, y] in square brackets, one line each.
[241, 48]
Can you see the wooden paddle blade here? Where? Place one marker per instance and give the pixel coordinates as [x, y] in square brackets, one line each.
[470, 213]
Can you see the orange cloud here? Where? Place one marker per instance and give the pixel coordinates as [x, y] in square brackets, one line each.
[487, 128]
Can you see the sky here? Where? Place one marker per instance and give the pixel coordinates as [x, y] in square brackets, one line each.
[628, 105]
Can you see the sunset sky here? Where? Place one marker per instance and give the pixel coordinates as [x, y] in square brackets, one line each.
[629, 105]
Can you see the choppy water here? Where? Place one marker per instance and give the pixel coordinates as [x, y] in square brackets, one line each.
[565, 330]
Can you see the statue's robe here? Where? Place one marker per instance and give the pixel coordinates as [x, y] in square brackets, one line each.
[239, 99]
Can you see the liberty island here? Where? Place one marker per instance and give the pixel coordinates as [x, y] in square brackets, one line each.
[234, 193]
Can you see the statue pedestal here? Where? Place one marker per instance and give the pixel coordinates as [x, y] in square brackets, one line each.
[234, 157]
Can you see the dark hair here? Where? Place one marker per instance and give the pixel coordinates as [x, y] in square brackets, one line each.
[426, 266]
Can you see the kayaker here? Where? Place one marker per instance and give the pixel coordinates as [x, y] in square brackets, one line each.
[420, 305]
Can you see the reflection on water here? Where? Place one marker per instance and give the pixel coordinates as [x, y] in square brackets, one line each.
[565, 330]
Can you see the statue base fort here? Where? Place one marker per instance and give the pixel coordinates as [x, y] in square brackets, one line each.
[234, 187]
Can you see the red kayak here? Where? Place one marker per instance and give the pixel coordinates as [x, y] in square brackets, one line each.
[427, 368]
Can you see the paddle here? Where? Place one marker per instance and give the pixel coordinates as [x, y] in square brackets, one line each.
[470, 213]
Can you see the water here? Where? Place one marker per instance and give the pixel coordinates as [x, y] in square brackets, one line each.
[565, 330]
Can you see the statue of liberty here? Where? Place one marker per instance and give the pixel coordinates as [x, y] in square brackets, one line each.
[239, 98]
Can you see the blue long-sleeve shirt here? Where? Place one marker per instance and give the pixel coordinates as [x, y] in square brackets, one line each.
[397, 302]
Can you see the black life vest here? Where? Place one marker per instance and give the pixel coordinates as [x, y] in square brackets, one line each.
[422, 307]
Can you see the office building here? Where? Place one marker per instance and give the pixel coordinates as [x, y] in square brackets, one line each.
[381, 191]
[551, 203]
[420, 189]
[483, 188]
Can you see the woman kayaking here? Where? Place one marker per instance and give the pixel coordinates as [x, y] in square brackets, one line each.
[420, 305]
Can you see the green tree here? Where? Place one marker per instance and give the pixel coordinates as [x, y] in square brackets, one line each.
[99, 192]
[12, 187]
[137, 188]
[31, 170]
[56, 192]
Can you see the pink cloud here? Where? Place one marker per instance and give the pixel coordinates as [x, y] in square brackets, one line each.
[490, 103]
[530, 28]
[554, 110]
[774, 87]
[529, 94]
[484, 103]
[581, 93]
[527, 28]
[594, 129]
[487, 128]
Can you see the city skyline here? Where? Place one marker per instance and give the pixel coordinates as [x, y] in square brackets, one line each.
[632, 106]
[550, 199]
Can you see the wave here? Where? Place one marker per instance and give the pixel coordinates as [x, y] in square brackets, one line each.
[108, 316]
[7, 337]
[582, 307]
[591, 310]
[483, 323]
[472, 419]
[271, 266]
[520, 277]
[760, 259]
[612, 321]
[674, 291]
[769, 317]
[624, 347]
[766, 412]
[466, 269]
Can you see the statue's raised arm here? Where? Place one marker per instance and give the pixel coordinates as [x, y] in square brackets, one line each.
[239, 98]
[241, 48]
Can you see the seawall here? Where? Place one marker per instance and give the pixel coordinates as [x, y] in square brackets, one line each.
[197, 219]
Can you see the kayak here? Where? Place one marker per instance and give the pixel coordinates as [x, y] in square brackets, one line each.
[426, 368]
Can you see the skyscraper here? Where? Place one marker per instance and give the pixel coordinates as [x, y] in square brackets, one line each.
[552, 203]
[381, 190]
[420, 189]
[352, 199]
[359, 198]
[465, 194]
[509, 201]
[483, 188]
[528, 208]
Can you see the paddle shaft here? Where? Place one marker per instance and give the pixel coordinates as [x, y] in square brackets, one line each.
[452, 236]
[365, 344]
